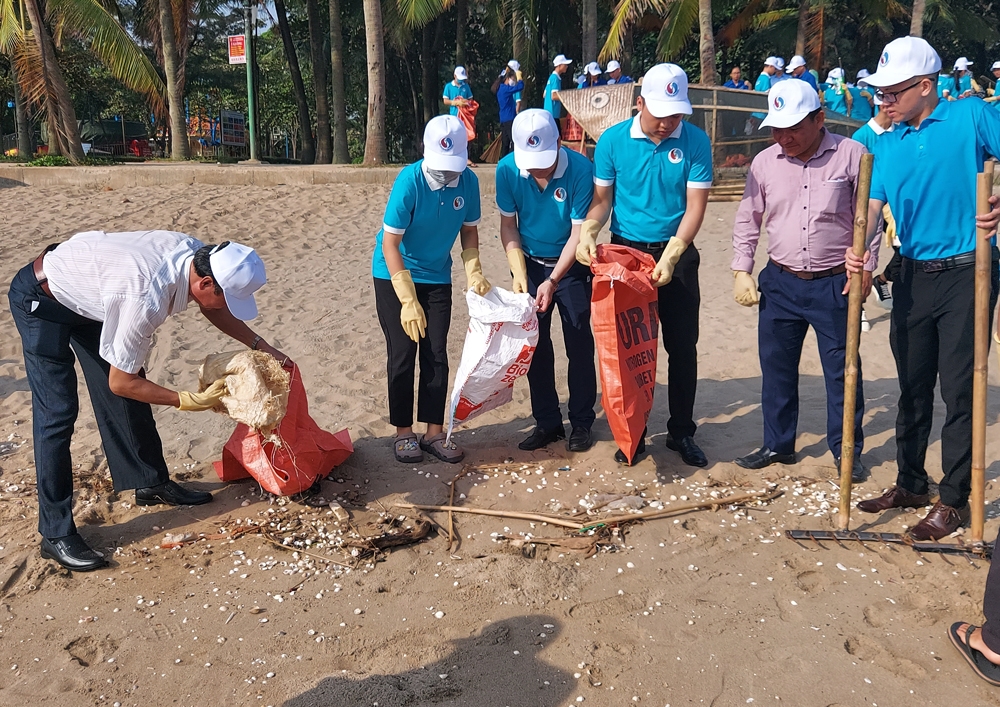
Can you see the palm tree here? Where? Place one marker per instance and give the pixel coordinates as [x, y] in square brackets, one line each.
[917, 18]
[320, 69]
[375, 150]
[340, 152]
[26, 39]
[308, 155]
[180, 148]
[588, 20]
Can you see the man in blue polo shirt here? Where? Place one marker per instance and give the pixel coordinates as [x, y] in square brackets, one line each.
[652, 174]
[543, 193]
[560, 65]
[457, 91]
[925, 169]
[615, 75]
[797, 69]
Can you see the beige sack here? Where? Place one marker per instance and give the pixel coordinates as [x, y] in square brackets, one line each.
[256, 386]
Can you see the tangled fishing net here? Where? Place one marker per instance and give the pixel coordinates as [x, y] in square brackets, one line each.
[256, 388]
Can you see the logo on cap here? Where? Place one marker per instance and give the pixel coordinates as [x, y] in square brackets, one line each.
[675, 155]
[672, 89]
[446, 143]
[458, 203]
[560, 195]
[884, 59]
[779, 103]
[534, 141]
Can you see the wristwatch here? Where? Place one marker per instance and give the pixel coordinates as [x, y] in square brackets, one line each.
[552, 280]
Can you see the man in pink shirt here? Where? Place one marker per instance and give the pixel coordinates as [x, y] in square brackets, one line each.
[802, 189]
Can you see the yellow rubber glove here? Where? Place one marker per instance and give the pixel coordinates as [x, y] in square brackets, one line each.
[745, 289]
[411, 316]
[518, 269]
[586, 250]
[196, 402]
[474, 272]
[664, 270]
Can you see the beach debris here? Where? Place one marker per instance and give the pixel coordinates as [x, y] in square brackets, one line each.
[172, 540]
[339, 512]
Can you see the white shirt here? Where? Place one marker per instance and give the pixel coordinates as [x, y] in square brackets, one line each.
[130, 281]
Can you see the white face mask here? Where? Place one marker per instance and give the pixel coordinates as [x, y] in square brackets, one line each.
[443, 176]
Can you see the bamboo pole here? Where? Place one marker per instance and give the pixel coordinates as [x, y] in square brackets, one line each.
[984, 189]
[855, 300]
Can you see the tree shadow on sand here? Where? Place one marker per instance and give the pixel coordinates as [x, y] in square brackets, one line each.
[498, 667]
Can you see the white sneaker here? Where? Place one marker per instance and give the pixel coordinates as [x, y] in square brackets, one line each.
[865, 324]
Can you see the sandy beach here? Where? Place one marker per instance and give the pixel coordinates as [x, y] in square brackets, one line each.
[713, 607]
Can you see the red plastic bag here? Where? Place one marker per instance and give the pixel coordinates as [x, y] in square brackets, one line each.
[306, 453]
[467, 114]
[626, 330]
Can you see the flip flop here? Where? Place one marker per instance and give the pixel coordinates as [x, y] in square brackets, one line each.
[407, 450]
[445, 451]
[990, 672]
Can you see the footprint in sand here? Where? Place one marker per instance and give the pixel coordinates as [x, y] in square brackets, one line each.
[870, 651]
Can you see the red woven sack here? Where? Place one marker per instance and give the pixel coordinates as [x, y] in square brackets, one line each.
[306, 452]
[467, 114]
[626, 329]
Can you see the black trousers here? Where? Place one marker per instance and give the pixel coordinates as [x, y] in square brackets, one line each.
[572, 298]
[991, 605]
[401, 353]
[931, 334]
[506, 138]
[50, 335]
[679, 308]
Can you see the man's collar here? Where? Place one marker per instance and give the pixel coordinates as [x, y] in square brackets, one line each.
[878, 129]
[825, 144]
[941, 112]
[635, 130]
[562, 162]
[434, 184]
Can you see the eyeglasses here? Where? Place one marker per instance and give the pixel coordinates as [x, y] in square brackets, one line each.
[888, 98]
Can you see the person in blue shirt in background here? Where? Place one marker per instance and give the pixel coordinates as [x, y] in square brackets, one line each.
[797, 70]
[925, 169]
[834, 93]
[543, 193]
[652, 175]
[457, 91]
[763, 83]
[560, 65]
[960, 83]
[516, 66]
[433, 202]
[506, 88]
[862, 100]
[736, 80]
[615, 75]
[591, 76]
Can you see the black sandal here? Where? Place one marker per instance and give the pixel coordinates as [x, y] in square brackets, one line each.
[990, 672]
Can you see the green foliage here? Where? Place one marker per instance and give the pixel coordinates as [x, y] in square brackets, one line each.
[50, 161]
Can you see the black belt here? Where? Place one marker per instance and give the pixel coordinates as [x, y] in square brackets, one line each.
[547, 262]
[810, 274]
[639, 245]
[956, 261]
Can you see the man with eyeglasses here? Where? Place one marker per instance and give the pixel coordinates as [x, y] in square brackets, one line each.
[925, 169]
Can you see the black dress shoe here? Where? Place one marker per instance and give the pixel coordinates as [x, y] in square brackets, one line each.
[690, 452]
[171, 493]
[764, 457]
[858, 471]
[540, 438]
[73, 553]
[580, 440]
[622, 459]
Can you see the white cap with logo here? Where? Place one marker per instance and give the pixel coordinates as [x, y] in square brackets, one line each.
[446, 144]
[536, 139]
[561, 60]
[665, 91]
[996, 65]
[962, 64]
[593, 68]
[903, 59]
[788, 103]
[863, 73]
[461, 74]
[835, 75]
[614, 66]
[514, 64]
[795, 62]
[773, 61]
[239, 271]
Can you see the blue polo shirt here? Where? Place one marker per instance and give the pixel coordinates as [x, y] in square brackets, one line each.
[507, 100]
[927, 175]
[545, 217]
[429, 217]
[861, 109]
[621, 79]
[743, 85]
[763, 83]
[553, 106]
[868, 134]
[809, 79]
[452, 92]
[651, 180]
[833, 101]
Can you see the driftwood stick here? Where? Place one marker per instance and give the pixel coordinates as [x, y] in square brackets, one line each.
[534, 517]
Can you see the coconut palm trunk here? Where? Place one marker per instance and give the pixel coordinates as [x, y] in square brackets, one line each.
[24, 146]
[917, 18]
[461, 21]
[321, 68]
[298, 87]
[375, 152]
[589, 24]
[180, 149]
[800, 33]
[706, 43]
[340, 152]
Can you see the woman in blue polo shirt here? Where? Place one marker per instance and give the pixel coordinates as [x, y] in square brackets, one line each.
[543, 193]
[433, 202]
